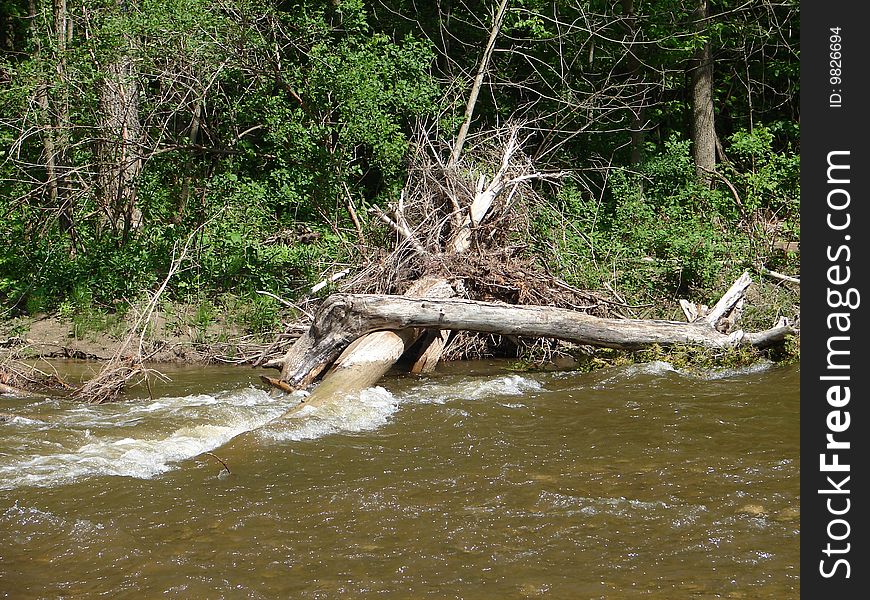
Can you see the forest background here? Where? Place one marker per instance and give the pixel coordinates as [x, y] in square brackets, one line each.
[271, 135]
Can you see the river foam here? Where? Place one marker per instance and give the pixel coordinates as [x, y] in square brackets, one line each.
[478, 388]
[75, 441]
[369, 409]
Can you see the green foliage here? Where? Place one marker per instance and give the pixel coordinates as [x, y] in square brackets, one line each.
[205, 314]
[255, 313]
[259, 118]
[657, 232]
[85, 316]
[295, 107]
[770, 179]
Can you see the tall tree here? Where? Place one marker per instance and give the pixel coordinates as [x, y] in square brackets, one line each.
[701, 76]
[52, 97]
[119, 147]
[635, 68]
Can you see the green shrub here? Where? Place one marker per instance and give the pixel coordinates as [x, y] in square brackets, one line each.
[255, 313]
[658, 232]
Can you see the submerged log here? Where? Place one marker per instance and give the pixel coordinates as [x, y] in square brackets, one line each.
[360, 366]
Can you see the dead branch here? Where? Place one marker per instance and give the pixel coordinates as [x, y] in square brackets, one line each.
[125, 366]
[780, 276]
[478, 81]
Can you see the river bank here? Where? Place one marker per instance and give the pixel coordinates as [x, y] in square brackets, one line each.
[174, 336]
[208, 333]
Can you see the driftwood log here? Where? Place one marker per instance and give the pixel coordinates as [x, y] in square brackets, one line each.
[346, 317]
[364, 361]
[341, 330]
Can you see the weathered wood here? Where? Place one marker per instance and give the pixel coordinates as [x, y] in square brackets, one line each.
[780, 276]
[363, 362]
[729, 300]
[360, 366]
[276, 383]
[691, 310]
[302, 364]
[345, 317]
[434, 343]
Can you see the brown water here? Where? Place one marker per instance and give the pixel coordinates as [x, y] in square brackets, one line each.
[636, 482]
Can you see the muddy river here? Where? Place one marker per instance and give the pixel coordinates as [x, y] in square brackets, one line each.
[474, 482]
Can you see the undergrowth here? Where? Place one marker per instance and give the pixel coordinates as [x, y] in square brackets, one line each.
[656, 233]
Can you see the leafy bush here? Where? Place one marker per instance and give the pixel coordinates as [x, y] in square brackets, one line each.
[661, 233]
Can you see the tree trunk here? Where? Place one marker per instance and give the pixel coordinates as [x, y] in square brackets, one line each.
[346, 317]
[54, 106]
[120, 146]
[638, 111]
[184, 194]
[363, 362]
[703, 126]
[478, 81]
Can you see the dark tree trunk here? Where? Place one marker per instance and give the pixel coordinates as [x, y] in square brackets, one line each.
[638, 111]
[703, 126]
[53, 104]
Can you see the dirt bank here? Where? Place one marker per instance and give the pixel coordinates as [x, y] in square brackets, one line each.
[167, 340]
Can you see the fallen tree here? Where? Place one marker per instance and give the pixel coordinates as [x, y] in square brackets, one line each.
[451, 228]
[453, 224]
[346, 319]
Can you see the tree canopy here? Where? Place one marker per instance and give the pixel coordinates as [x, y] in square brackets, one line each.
[270, 128]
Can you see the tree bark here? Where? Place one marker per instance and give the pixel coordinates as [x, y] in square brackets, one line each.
[53, 103]
[120, 146]
[703, 126]
[184, 194]
[637, 128]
